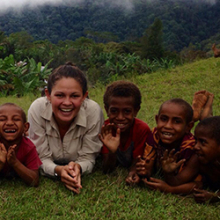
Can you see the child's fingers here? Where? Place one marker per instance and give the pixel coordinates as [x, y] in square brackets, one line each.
[176, 155]
[149, 184]
[179, 163]
[2, 147]
[12, 147]
[118, 131]
[171, 154]
[196, 190]
[154, 180]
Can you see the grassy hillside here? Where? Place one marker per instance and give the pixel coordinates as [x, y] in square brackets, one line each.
[107, 196]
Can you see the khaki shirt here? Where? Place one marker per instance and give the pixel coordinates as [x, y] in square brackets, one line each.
[80, 144]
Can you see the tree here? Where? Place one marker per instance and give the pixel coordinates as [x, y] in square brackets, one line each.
[152, 41]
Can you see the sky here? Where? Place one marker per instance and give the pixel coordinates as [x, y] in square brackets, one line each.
[6, 5]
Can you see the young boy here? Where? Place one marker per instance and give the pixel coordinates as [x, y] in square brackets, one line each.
[18, 155]
[123, 135]
[171, 149]
[208, 150]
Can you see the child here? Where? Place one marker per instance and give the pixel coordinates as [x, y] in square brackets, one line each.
[123, 135]
[208, 150]
[18, 155]
[171, 141]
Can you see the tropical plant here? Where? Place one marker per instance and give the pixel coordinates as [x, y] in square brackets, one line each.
[23, 77]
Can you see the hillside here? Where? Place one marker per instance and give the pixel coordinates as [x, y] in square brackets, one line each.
[107, 196]
[184, 22]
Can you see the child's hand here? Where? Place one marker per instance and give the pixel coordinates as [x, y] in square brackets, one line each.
[11, 156]
[168, 161]
[202, 196]
[157, 184]
[3, 154]
[108, 139]
[142, 166]
[132, 178]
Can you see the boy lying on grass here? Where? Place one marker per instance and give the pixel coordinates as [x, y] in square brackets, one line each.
[171, 149]
[208, 150]
[18, 155]
[123, 135]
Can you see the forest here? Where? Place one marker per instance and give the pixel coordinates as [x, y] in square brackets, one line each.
[184, 22]
[138, 42]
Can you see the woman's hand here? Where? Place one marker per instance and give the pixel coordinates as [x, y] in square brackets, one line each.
[110, 141]
[168, 161]
[71, 176]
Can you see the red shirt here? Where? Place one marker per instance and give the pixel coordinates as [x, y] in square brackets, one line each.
[27, 155]
[138, 135]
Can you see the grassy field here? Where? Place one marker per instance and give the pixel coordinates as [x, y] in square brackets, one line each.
[107, 196]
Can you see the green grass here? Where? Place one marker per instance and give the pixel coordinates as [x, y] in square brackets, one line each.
[107, 196]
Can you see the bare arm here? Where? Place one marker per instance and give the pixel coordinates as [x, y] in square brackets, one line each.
[112, 143]
[157, 184]
[188, 174]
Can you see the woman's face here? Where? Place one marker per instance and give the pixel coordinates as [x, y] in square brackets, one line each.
[66, 98]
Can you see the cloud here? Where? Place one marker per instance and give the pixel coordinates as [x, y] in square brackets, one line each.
[6, 5]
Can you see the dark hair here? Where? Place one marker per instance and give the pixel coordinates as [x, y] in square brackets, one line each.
[186, 106]
[67, 70]
[23, 115]
[122, 88]
[212, 127]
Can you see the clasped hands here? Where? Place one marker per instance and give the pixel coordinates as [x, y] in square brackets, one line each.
[71, 176]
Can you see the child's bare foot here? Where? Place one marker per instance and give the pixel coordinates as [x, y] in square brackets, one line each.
[207, 109]
[199, 100]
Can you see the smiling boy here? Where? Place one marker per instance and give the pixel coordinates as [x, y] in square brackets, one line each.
[208, 150]
[123, 135]
[171, 142]
[18, 155]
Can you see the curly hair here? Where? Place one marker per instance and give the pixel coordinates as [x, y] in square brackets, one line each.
[122, 88]
[67, 70]
[212, 127]
[23, 115]
[185, 105]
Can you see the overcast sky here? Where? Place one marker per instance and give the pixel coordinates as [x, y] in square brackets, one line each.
[18, 4]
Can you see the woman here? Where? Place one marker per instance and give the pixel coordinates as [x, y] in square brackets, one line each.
[65, 125]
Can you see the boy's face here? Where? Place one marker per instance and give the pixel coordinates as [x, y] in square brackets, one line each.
[207, 149]
[121, 112]
[12, 125]
[171, 123]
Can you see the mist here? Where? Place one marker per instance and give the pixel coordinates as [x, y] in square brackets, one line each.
[16, 5]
